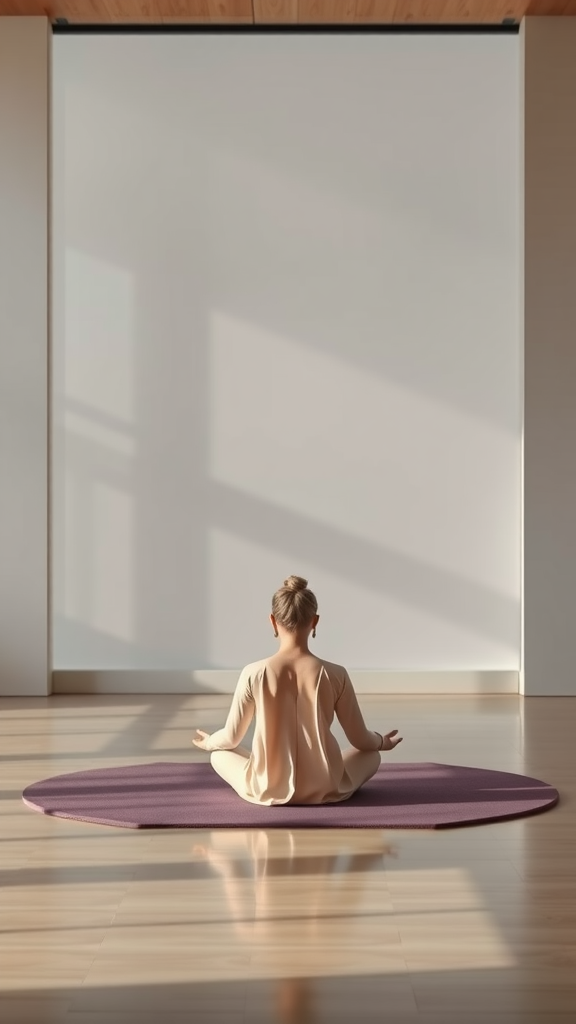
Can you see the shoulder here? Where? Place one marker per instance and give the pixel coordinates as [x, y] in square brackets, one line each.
[334, 671]
[254, 669]
[337, 676]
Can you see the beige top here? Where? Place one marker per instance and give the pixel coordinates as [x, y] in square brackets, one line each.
[295, 758]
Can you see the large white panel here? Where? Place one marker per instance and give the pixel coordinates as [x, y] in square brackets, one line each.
[287, 323]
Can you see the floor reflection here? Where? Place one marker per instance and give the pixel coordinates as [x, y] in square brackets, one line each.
[290, 897]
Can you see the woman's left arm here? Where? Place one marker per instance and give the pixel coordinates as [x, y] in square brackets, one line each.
[239, 717]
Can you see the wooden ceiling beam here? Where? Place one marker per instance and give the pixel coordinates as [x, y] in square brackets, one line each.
[288, 12]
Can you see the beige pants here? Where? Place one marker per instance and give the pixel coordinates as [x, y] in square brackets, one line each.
[230, 765]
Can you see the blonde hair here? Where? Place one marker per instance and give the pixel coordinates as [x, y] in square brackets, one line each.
[293, 605]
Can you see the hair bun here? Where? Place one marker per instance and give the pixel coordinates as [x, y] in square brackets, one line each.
[295, 583]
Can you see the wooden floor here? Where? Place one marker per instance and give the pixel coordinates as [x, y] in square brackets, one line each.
[466, 926]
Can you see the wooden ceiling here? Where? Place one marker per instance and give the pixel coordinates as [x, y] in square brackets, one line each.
[241, 12]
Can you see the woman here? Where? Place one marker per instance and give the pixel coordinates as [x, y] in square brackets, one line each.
[295, 759]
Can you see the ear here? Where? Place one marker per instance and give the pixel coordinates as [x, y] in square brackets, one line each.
[272, 621]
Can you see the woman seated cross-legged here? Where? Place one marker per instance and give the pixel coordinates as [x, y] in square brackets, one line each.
[294, 695]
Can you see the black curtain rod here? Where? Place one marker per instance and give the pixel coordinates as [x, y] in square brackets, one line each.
[61, 27]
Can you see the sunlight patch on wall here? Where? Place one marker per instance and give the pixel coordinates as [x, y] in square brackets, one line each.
[101, 596]
[99, 337]
[94, 447]
[360, 627]
[313, 434]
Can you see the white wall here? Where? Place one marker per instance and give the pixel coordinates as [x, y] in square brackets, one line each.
[286, 339]
[549, 662]
[24, 73]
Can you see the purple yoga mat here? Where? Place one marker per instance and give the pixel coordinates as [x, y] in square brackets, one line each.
[180, 795]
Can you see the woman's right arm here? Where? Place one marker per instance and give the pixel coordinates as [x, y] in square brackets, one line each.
[351, 719]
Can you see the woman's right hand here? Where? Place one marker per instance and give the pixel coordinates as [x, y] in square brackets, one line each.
[391, 740]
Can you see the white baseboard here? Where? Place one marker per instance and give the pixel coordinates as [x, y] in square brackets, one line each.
[224, 681]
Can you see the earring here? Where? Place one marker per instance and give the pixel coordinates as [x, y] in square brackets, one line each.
[275, 634]
[314, 632]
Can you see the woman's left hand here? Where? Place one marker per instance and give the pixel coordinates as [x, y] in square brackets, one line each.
[391, 740]
[199, 740]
